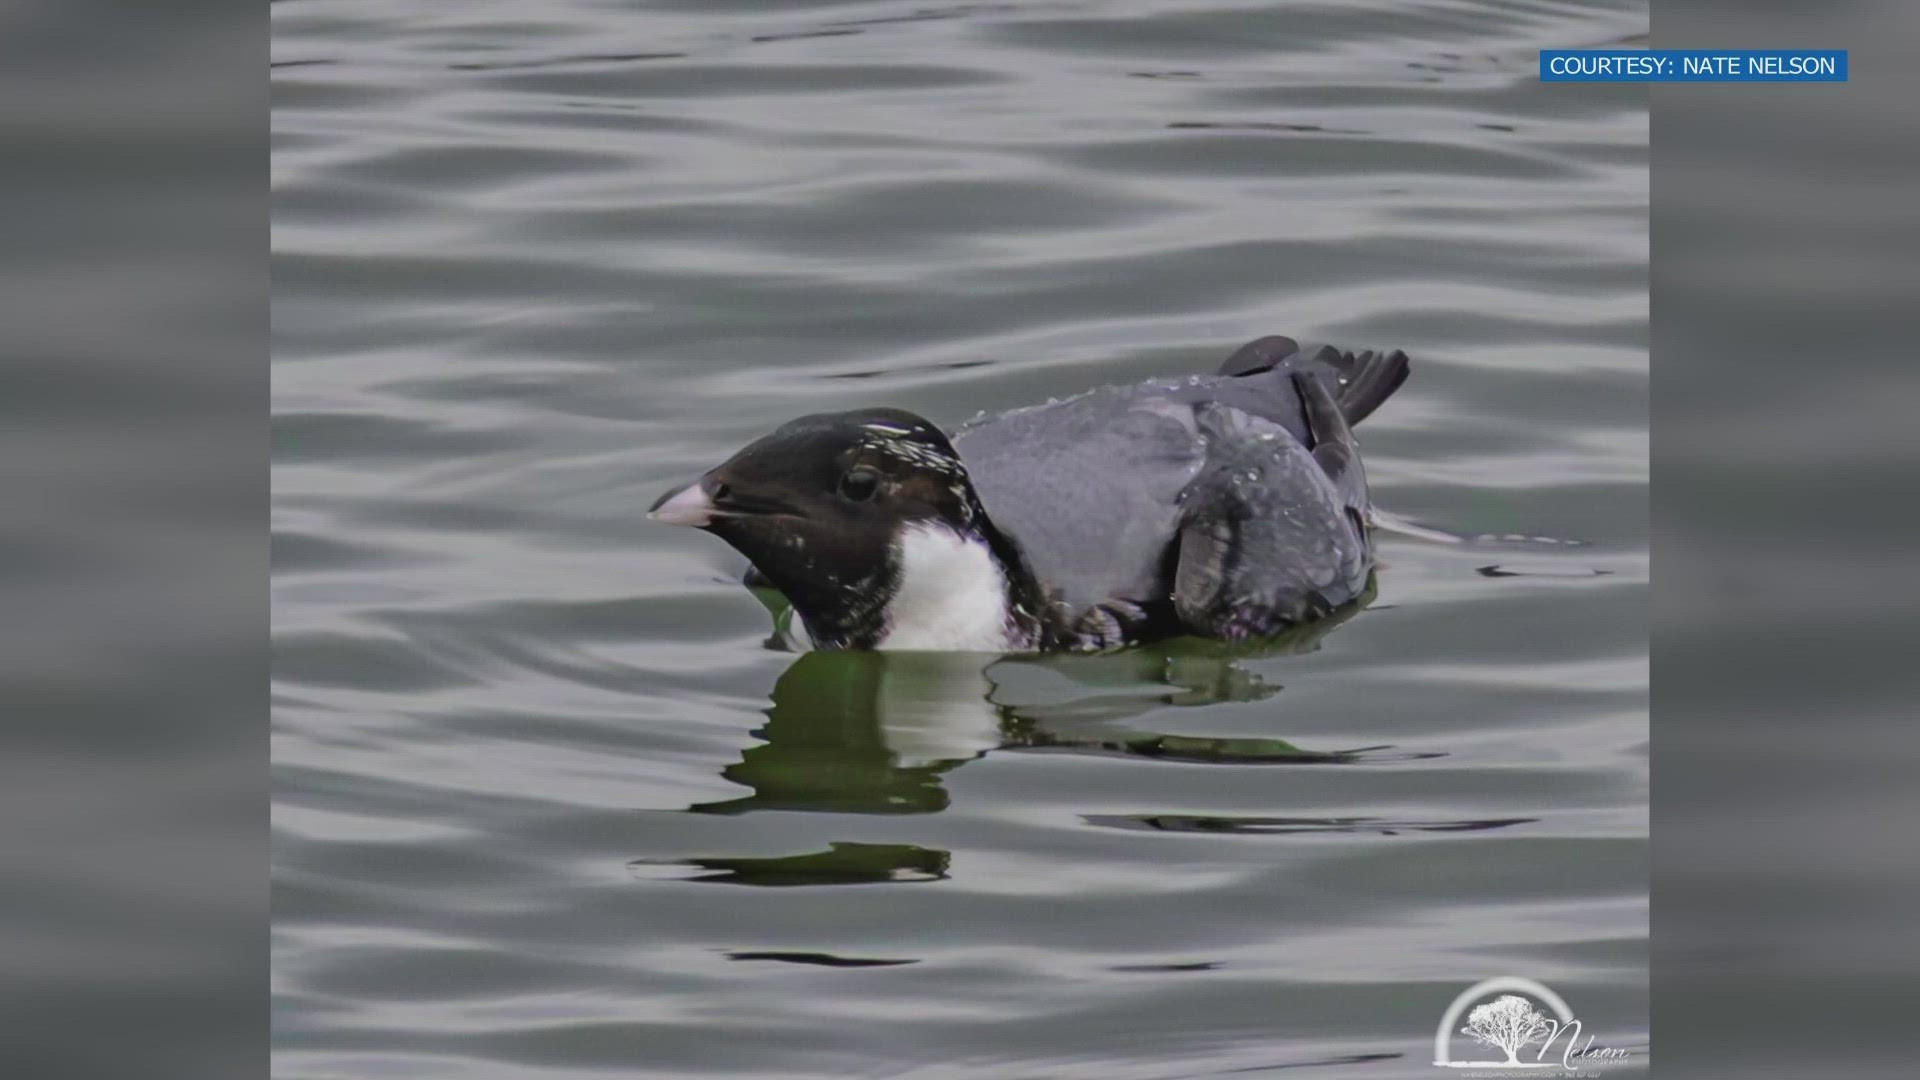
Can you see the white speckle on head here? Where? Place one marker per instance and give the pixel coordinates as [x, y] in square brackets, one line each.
[951, 596]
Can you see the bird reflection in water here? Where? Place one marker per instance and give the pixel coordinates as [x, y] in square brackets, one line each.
[877, 732]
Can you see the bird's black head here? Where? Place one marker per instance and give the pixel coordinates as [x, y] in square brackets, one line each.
[816, 507]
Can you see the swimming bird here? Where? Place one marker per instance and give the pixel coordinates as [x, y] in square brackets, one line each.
[1231, 506]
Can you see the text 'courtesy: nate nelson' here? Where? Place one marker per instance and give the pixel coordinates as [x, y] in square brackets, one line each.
[1693, 65]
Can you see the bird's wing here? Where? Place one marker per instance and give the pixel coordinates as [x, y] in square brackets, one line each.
[1272, 532]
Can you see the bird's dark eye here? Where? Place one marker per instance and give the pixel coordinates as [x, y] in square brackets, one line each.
[859, 484]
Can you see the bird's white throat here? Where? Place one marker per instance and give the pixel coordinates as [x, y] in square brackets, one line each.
[951, 593]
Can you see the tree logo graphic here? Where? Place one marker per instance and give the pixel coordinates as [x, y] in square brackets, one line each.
[1508, 1023]
[1505, 1015]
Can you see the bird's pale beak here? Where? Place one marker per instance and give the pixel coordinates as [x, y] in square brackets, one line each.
[688, 505]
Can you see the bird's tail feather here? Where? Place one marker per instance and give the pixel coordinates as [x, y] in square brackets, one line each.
[1365, 379]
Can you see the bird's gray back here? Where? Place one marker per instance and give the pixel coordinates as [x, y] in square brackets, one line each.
[1089, 486]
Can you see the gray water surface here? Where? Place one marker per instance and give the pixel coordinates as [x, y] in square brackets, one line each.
[545, 805]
